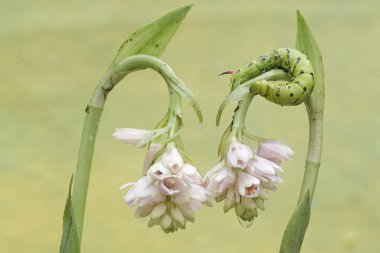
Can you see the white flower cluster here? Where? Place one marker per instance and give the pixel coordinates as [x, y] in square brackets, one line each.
[244, 178]
[171, 190]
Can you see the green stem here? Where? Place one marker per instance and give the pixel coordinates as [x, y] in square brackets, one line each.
[298, 223]
[82, 174]
[93, 113]
[296, 228]
[313, 159]
[238, 123]
[175, 112]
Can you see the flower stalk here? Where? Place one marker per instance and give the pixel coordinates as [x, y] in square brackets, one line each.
[295, 230]
[150, 39]
[244, 177]
[170, 189]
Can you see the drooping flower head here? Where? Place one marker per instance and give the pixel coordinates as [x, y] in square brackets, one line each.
[243, 178]
[170, 192]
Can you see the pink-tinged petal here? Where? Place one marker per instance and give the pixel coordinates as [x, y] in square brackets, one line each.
[189, 170]
[212, 171]
[171, 185]
[157, 171]
[220, 176]
[173, 160]
[148, 191]
[257, 164]
[238, 154]
[143, 211]
[198, 192]
[153, 149]
[248, 185]
[221, 180]
[228, 181]
[191, 174]
[158, 210]
[130, 135]
[141, 184]
[274, 150]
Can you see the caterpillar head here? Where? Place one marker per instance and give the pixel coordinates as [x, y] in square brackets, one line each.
[229, 72]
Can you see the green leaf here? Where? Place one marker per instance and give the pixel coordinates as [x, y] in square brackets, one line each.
[235, 95]
[296, 228]
[152, 39]
[306, 43]
[70, 240]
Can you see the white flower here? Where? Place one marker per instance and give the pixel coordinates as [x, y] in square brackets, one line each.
[190, 174]
[248, 185]
[130, 135]
[275, 151]
[171, 185]
[170, 192]
[265, 170]
[238, 154]
[219, 179]
[243, 181]
[173, 160]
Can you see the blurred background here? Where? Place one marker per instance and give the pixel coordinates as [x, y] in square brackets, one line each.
[54, 52]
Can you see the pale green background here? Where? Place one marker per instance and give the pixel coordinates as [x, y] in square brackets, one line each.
[52, 53]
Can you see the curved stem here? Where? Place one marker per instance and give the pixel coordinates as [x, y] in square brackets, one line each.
[94, 111]
[314, 153]
[299, 221]
[238, 122]
[175, 116]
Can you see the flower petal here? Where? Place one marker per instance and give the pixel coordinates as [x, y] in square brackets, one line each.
[274, 150]
[158, 210]
[238, 154]
[173, 160]
[130, 135]
[177, 215]
[157, 171]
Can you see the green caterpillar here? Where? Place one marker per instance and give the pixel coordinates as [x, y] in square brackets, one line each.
[292, 92]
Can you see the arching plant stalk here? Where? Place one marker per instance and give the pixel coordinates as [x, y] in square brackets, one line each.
[298, 223]
[151, 40]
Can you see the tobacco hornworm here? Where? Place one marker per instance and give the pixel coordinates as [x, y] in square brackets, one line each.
[292, 92]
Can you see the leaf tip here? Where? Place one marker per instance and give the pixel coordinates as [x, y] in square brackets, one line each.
[200, 117]
[299, 16]
[185, 9]
[217, 121]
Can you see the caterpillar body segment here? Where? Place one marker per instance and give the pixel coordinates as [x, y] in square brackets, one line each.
[292, 92]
